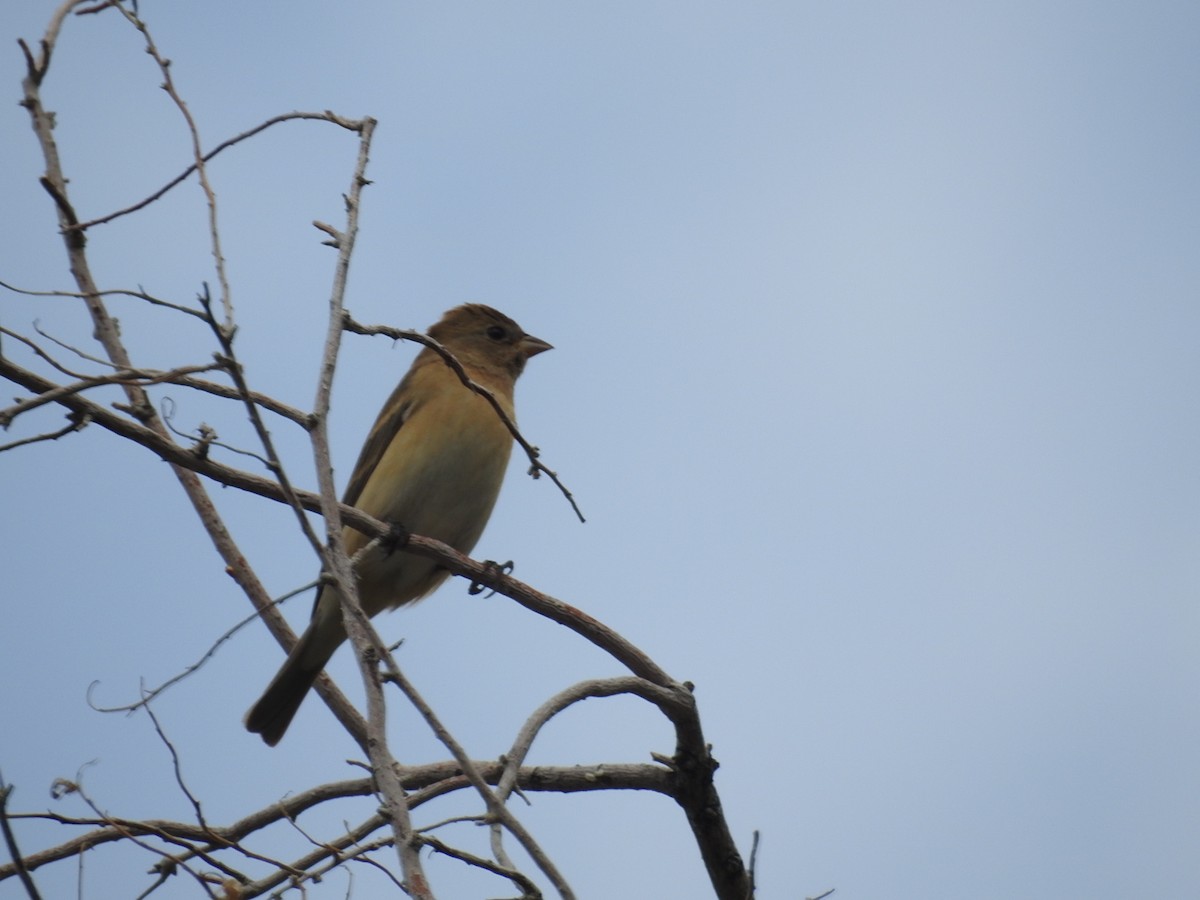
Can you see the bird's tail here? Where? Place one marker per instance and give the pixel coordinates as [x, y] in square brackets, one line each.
[273, 712]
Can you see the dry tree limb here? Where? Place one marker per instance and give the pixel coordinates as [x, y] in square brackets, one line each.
[687, 775]
[107, 334]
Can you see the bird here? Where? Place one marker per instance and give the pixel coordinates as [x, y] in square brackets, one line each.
[432, 463]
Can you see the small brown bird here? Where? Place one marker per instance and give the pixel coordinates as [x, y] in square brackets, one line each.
[433, 463]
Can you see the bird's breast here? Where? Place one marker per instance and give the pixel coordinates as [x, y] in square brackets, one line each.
[441, 474]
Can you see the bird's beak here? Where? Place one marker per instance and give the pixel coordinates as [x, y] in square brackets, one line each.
[531, 346]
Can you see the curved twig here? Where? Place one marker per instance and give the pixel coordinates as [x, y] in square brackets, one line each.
[296, 115]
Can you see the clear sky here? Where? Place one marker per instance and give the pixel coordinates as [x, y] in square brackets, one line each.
[876, 375]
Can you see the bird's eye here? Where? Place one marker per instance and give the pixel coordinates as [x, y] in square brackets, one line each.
[496, 332]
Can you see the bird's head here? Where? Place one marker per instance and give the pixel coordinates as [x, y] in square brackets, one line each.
[486, 339]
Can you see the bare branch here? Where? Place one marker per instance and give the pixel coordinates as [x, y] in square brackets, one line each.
[607, 687]
[495, 805]
[72, 348]
[180, 376]
[107, 334]
[147, 696]
[42, 354]
[74, 423]
[326, 116]
[363, 637]
[10, 841]
[167, 837]
[214, 234]
[426, 782]
[141, 377]
[529, 890]
[301, 418]
[224, 336]
[753, 867]
[686, 776]
[141, 295]
[176, 766]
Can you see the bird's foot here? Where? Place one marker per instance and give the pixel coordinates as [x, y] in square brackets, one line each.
[493, 567]
[396, 538]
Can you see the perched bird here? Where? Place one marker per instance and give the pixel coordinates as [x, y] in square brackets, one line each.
[432, 463]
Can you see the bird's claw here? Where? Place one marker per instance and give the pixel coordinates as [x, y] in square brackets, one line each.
[396, 538]
[498, 568]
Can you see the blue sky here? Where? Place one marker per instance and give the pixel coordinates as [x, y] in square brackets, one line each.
[875, 375]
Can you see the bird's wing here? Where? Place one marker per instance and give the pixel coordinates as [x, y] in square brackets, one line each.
[393, 416]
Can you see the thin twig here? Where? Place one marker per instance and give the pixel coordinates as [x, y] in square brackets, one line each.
[141, 377]
[205, 436]
[326, 116]
[176, 765]
[584, 690]
[77, 351]
[147, 696]
[42, 354]
[515, 758]
[495, 805]
[529, 890]
[141, 295]
[752, 869]
[145, 845]
[74, 423]
[301, 418]
[224, 336]
[210, 196]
